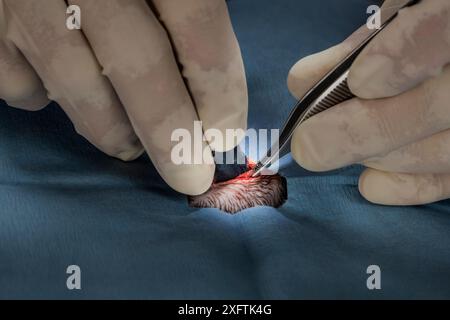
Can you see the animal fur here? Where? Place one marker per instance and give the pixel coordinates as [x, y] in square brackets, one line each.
[243, 192]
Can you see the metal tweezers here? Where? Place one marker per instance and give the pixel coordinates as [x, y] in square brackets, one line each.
[327, 93]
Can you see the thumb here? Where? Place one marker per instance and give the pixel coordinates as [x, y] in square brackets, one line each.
[308, 71]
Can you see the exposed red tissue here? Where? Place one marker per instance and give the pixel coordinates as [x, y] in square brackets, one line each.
[243, 192]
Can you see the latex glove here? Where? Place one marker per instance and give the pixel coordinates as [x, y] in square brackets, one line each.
[399, 125]
[120, 80]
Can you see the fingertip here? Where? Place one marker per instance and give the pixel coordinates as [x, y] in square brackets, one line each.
[379, 187]
[24, 91]
[397, 189]
[309, 70]
[296, 80]
[366, 187]
[191, 180]
[33, 102]
[131, 154]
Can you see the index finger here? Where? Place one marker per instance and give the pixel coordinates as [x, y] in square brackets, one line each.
[137, 57]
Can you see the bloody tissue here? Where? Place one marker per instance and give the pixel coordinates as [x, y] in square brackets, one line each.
[242, 192]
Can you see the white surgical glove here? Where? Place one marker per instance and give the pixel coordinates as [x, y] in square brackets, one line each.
[137, 71]
[399, 126]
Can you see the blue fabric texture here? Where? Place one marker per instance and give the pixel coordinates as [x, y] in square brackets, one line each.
[62, 202]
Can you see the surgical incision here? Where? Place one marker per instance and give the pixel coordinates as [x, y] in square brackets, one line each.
[235, 189]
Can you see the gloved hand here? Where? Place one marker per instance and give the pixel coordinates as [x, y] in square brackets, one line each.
[136, 72]
[399, 125]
